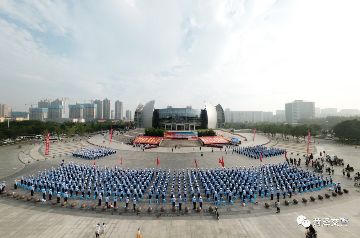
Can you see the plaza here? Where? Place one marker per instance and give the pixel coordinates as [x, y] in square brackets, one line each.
[28, 219]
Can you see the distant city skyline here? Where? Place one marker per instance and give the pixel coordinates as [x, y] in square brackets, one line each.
[246, 55]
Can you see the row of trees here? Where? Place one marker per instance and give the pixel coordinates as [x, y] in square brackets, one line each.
[348, 131]
[206, 132]
[283, 129]
[30, 128]
[154, 132]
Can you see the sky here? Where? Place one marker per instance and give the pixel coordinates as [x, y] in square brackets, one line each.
[244, 54]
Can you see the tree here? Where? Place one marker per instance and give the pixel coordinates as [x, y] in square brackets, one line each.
[348, 131]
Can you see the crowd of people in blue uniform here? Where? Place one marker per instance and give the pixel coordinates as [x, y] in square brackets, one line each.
[153, 185]
[258, 151]
[93, 153]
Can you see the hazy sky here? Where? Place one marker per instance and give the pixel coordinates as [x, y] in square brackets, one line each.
[245, 54]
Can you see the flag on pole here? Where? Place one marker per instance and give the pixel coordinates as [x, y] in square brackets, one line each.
[196, 165]
[260, 157]
[222, 162]
[157, 161]
[254, 134]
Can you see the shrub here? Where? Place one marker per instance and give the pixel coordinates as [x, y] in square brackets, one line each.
[295, 201]
[206, 132]
[320, 197]
[304, 200]
[267, 205]
[186, 209]
[287, 203]
[312, 199]
[162, 209]
[340, 193]
[149, 209]
[327, 195]
[83, 206]
[73, 204]
[346, 191]
[334, 194]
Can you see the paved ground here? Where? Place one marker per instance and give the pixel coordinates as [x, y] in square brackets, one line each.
[23, 219]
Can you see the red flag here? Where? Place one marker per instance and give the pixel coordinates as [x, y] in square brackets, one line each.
[196, 165]
[222, 162]
[111, 134]
[157, 161]
[219, 161]
[260, 157]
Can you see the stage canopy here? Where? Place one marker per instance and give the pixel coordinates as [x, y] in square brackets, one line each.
[214, 140]
[150, 140]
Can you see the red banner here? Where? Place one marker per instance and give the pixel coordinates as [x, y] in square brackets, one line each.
[110, 134]
[47, 144]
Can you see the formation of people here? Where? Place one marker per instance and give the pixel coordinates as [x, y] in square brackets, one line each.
[93, 153]
[256, 152]
[109, 186]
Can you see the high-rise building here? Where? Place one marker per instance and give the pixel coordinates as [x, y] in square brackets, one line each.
[298, 109]
[60, 103]
[45, 103]
[112, 114]
[5, 110]
[76, 111]
[349, 112]
[280, 116]
[248, 116]
[128, 115]
[99, 109]
[326, 112]
[227, 115]
[39, 114]
[55, 112]
[89, 111]
[118, 110]
[106, 109]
